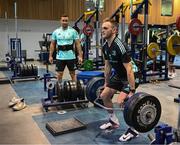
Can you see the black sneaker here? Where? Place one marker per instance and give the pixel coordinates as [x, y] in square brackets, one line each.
[128, 135]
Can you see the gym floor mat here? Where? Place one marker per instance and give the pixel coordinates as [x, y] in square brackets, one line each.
[93, 118]
[32, 90]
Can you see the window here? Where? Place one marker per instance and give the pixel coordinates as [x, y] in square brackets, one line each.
[91, 4]
[166, 7]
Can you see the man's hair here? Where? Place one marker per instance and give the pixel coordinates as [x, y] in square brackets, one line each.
[112, 21]
[64, 15]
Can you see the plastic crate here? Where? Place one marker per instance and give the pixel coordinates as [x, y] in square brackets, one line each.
[86, 76]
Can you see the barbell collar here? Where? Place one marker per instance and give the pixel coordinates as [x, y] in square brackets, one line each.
[50, 85]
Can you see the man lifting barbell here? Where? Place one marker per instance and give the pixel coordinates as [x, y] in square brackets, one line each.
[116, 57]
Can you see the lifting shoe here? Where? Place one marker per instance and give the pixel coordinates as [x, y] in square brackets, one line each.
[128, 135]
[112, 124]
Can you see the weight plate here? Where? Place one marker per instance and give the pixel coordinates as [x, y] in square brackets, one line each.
[93, 87]
[142, 111]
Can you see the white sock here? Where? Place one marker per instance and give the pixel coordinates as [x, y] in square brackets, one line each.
[113, 117]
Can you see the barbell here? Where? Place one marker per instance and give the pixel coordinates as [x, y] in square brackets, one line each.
[173, 47]
[153, 50]
[142, 111]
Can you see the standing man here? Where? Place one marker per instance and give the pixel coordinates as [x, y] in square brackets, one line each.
[65, 37]
[116, 57]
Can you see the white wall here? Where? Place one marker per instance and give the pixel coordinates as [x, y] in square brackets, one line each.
[30, 32]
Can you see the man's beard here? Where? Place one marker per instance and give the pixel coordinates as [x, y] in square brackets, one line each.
[64, 26]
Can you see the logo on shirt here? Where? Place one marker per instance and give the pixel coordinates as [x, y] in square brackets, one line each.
[113, 53]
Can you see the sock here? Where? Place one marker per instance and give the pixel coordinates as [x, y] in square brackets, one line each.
[113, 117]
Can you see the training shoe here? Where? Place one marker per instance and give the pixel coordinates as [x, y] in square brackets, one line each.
[19, 106]
[14, 101]
[129, 134]
[110, 125]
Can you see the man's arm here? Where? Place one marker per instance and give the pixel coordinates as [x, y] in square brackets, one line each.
[51, 50]
[130, 75]
[107, 71]
[79, 50]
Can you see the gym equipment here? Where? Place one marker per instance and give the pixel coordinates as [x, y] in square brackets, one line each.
[153, 50]
[16, 50]
[86, 76]
[70, 90]
[142, 111]
[7, 59]
[173, 45]
[121, 9]
[24, 71]
[64, 93]
[135, 26]
[177, 131]
[178, 23]
[88, 30]
[87, 38]
[47, 78]
[93, 88]
[27, 70]
[65, 126]
[88, 65]
[163, 135]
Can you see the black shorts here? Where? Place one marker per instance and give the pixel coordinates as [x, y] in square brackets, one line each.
[171, 58]
[61, 64]
[121, 84]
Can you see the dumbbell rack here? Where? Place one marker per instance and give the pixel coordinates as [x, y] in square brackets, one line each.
[53, 99]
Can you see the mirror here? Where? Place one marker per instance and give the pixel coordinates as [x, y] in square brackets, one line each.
[166, 7]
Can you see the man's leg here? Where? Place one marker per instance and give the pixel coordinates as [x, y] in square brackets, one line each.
[60, 65]
[73, 75]
[130, 133]
[71, 65]
[59, 75]
[106, 95]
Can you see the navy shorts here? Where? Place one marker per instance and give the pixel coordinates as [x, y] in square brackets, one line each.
[171, 58]
[121, 84]
[61, 64]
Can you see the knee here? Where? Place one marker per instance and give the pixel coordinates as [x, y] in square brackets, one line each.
[106, 95]
[72, 73]
[59, 75]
